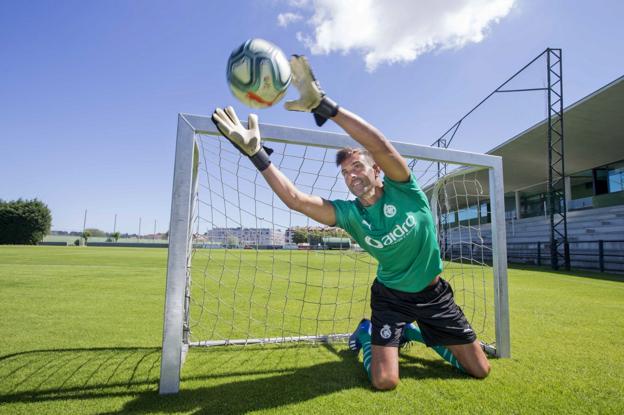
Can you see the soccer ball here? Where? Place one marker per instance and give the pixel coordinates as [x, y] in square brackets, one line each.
[258, 73]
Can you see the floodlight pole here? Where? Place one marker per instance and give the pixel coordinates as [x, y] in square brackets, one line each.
[559, 247]
[555, 208]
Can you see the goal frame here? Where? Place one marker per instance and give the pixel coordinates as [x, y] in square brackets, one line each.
[175, 339]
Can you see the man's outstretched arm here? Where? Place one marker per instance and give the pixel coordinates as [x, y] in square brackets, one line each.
[312, 206]
[313, 99]
[385, 155]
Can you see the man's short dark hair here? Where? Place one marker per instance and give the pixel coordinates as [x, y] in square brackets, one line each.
[345, 153]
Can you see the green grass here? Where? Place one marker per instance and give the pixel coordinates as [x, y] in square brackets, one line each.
[70, 239]
[81, 331]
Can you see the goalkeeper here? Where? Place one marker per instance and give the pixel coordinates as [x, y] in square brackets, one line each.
[391, 220]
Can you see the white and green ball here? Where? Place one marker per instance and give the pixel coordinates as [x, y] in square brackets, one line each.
[258, 73]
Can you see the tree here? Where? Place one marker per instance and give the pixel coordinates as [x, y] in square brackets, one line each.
[300, 236]
[315, 237]
[86, 235]
[24, 222]
[96, 232]
[116, 236]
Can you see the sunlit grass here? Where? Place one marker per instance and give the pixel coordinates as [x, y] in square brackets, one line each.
[81, 332]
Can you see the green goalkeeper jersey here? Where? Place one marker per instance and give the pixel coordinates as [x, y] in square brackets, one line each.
[398, 231]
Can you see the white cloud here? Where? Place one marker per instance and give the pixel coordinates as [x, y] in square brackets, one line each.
[390, 31]
[298, 3]
[284, 19]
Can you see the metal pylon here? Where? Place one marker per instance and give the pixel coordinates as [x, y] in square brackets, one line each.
[559, 248]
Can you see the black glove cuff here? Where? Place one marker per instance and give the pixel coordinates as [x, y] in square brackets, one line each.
[261, 158]
[326, 109]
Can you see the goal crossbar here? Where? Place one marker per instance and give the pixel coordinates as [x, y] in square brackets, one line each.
[278, 133]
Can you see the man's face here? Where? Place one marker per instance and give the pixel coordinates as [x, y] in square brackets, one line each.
[360, 175]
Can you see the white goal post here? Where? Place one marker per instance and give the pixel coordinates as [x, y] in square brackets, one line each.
[236, 276]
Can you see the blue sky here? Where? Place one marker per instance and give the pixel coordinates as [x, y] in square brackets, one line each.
[90, 90]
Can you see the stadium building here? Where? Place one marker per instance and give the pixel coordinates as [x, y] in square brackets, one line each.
[594, 186]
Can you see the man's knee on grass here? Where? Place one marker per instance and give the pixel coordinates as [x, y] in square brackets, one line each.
[481, 371]
[384, 373]
[385, 382]
[478, 368]
[472, 359]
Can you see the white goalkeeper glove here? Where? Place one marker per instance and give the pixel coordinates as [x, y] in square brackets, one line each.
[313, 98]
[246, 140]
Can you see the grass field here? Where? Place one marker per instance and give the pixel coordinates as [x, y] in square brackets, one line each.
[71, 239]
[81, 332]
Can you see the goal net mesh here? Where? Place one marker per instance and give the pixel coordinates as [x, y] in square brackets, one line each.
[262, 273]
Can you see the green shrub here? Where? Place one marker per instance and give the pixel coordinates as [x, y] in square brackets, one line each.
[24, 222]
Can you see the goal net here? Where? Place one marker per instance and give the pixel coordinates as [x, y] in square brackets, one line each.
[245, 269]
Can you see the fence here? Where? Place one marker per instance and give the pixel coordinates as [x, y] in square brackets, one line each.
[604, 256]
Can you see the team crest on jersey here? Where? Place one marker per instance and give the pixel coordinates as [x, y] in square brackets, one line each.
[389, 210]
[385, 332]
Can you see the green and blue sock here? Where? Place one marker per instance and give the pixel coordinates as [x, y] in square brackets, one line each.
[412, 333]
[361, 338]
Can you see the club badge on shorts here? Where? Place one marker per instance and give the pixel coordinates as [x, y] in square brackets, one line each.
[385, 332]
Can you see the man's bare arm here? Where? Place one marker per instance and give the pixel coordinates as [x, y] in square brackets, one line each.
[313, 99]
[312, 206]
[383, 152]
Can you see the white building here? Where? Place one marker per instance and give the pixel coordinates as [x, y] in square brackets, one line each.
[246, 236]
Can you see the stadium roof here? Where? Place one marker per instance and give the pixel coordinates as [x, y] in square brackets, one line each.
[593, 136]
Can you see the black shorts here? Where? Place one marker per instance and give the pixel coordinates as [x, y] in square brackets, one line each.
[441, 321]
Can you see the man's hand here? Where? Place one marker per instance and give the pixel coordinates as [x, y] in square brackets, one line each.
[303, 79]
[313, 98]
[246, 140]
